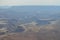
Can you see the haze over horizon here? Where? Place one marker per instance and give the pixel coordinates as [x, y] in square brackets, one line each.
[29, 2]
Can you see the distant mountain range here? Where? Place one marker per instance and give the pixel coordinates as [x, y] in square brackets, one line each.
[17, 15]
[29, 22]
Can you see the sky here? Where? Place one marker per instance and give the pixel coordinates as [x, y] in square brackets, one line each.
[29, 2]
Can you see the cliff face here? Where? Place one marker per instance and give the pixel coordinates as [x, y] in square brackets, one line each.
[46, 32]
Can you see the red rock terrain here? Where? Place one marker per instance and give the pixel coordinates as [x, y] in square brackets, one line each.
[20, 36]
